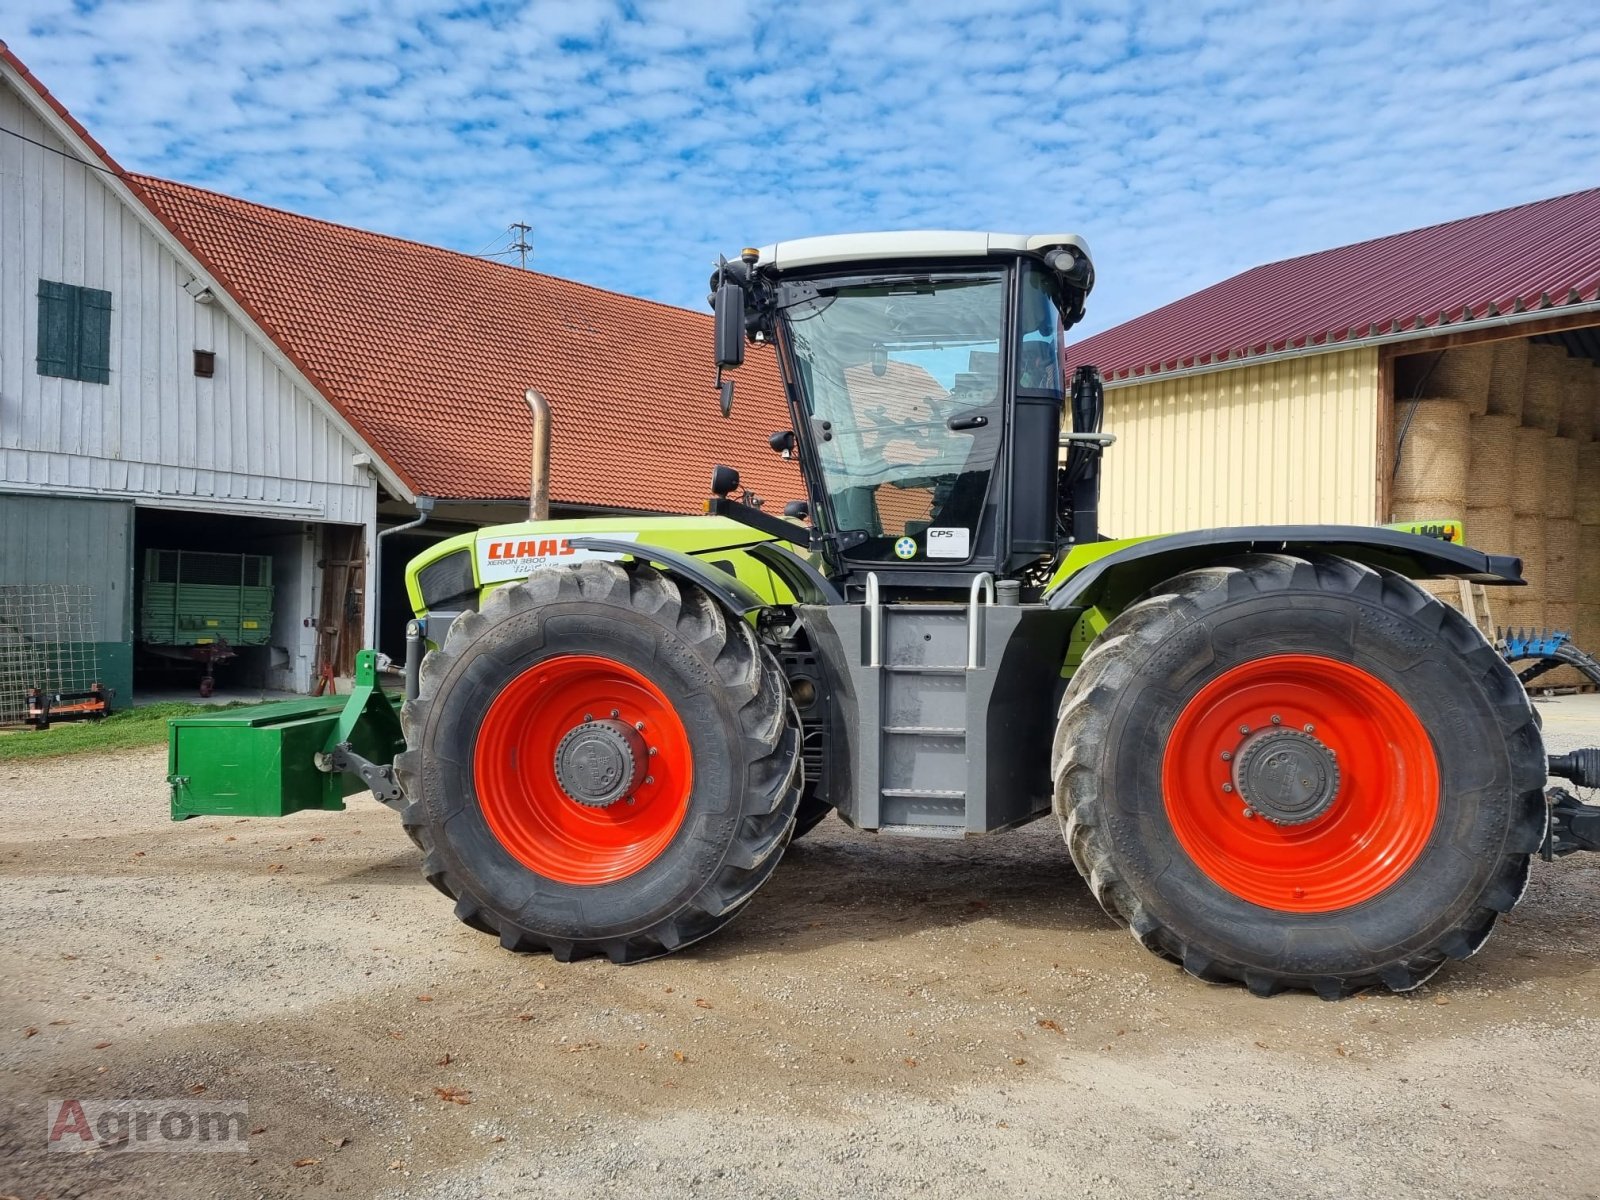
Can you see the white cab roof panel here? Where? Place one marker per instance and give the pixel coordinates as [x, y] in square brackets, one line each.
[915, 243]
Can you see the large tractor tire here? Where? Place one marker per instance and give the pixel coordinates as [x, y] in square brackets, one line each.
[601, 761]
[1300, 773]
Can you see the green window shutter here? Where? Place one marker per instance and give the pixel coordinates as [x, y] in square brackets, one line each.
[94, 335]
[74, 332]
[58, 329]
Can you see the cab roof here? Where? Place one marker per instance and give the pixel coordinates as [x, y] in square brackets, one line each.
[918, 243]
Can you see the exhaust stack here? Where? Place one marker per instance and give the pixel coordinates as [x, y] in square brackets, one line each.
[539, 465]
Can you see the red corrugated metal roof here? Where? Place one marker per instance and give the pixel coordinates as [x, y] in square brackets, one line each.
[1535, 256]
[428, 352]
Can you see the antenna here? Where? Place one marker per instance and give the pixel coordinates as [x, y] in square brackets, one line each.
[521, 245]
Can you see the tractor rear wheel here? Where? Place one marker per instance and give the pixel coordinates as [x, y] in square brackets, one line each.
[1300, 773]
[601, 761]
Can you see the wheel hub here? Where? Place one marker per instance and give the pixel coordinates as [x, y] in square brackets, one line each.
[1286, 776]
[600, 762]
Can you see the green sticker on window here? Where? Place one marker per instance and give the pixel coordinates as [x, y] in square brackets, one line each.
[905, 548]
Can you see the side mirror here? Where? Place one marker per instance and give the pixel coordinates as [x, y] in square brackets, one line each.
[800, 510]
[730, 325]
[723, 481]
[880, 359]
[782, 442]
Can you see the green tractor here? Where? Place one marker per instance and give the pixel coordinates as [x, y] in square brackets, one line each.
[1273, 757]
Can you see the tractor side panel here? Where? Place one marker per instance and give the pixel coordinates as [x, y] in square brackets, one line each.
[922, 743]
[456, 573]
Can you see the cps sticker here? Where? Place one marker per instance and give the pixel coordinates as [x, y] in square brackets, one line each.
[905, 548]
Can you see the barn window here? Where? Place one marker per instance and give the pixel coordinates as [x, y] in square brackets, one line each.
[74, 332]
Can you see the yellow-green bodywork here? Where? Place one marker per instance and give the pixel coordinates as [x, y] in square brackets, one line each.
[718, 540]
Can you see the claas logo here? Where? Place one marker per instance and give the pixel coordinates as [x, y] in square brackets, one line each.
[530, 548]
[1445, 531]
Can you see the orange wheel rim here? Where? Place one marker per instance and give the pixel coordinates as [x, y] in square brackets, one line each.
[582, 769]
[1300, 783]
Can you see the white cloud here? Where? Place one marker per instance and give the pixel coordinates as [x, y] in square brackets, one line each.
[1187, 142]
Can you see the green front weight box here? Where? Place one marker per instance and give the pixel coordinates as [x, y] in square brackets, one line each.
[271, 760]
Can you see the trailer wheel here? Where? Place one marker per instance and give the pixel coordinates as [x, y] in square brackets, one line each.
[601, 761]
[1300, 773]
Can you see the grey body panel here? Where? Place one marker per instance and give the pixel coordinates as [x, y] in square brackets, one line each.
[922, 744]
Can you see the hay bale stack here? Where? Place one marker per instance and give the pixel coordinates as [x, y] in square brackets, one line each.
[1577, 401]
[1586, 490]
[1529, 480]
[1560, 477]
[1562, 616]
[1588, 574]
[1588, 632]
[1507, 375]
[1491, 529]
[1518, 612]
[1461, 374]
[1594, 399]
[1527, 539]
[1562, 543]
[1433, 463]
[1491, 458]
[1543, 387]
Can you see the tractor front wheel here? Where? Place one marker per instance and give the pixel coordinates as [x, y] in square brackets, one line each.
[601, 761]
[1300, 773]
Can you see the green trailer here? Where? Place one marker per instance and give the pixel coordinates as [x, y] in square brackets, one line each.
[202, 606]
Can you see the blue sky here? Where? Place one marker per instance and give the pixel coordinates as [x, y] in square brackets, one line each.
[1185, 141]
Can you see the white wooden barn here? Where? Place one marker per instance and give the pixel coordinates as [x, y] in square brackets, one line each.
[141, 408]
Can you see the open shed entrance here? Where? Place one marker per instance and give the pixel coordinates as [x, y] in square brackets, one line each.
[255, 604]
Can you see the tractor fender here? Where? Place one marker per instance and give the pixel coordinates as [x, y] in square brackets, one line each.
[1114, 580]
[731, 592]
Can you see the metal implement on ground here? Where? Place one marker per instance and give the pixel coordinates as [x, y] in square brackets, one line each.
[1274, 757]
[1536, 652]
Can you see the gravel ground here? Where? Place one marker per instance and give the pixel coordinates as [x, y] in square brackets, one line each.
[888, 1018]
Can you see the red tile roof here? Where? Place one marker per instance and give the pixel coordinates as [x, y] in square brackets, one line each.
[427, 353]
[1543, 255]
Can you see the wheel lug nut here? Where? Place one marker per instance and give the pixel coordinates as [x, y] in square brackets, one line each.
[1249, 813]
[615, 714]
[652, 751]
[1227, 756]
[1227, 787]
[1309, 728]
[588, 716]
[1276, 719]
[649, 778]
[1244, 729]
[639, 725]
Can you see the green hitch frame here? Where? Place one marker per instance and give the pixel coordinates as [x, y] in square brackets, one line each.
[275, 759]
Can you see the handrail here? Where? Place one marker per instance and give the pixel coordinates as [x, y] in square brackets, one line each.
[874, 621]
[984, 583]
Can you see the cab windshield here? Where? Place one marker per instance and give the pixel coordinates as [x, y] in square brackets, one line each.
[901, 382]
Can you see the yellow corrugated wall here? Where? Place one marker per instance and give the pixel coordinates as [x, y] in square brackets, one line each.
[1289, 441]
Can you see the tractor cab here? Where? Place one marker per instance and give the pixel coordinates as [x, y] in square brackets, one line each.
[925, 384]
